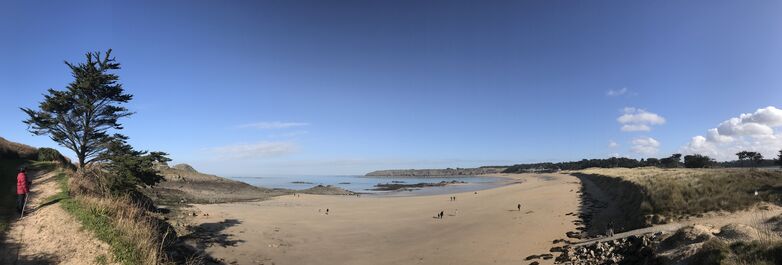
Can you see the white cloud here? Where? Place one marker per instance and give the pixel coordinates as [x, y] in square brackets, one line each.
[638, 120]
[747, 132]
[617, 92]
[273, 125]
[713, 135]
[612, 144]
[645, 146]
[636, 128]
[254, 150]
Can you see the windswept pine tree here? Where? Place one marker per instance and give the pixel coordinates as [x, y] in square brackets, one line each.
[81, 116]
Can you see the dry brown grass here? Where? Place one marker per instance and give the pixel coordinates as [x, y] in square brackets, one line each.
[135, 234]
[684, 192]
[11, 150]
[133, 223]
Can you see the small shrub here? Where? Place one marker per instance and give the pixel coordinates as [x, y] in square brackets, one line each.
[712, 252]
[48, 154]
[757, 252]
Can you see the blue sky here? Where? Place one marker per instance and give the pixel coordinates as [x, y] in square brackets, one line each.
[246, 88]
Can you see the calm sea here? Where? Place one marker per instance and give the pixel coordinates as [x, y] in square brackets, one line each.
[363, 184]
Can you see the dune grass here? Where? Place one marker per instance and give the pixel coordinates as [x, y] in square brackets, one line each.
[739, 253]
[685, 192]
[129, 231]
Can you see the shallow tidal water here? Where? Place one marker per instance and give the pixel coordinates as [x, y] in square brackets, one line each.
[364, 184]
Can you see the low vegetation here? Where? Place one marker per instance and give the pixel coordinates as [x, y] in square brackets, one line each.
[102, 193]
[685, 192]
[130, 230]
[745, 159]
[754, 252]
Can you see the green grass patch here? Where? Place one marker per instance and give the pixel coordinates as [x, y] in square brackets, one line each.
[101, 260]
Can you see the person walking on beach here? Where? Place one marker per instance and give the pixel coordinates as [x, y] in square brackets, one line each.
[327, 211]
[22, 189]
[441, 214]
[519, 207]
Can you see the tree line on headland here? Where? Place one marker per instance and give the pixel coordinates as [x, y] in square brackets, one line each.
[745, 159]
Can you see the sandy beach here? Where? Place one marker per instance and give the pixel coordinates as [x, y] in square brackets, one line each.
[482, 228]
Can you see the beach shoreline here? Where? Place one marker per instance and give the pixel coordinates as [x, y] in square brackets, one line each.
[479, 227]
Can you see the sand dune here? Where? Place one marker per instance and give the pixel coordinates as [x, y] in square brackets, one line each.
[483, 228]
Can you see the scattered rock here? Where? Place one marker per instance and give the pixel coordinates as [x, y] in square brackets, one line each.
[630, 250]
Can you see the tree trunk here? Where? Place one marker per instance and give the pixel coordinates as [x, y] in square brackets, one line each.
[81, 160]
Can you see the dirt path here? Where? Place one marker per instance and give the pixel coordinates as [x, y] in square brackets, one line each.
[48, 234]
[482, 228]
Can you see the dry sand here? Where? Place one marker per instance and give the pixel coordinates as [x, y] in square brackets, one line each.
[483, 228]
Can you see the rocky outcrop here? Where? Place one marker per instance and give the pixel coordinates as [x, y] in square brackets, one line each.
[183, 184]
[436, 172]
[327, 190]
[629, 250]
[185, 168]
[400, 186]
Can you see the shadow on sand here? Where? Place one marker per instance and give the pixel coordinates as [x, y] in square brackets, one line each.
[9, 254]
[209, 234]
[204, 236]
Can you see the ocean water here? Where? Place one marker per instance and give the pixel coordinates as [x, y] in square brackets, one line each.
[364, 184]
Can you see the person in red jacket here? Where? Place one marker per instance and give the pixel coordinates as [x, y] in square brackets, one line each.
[22, 189]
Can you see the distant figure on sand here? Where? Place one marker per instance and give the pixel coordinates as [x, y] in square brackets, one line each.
[327, 211]
[519, 207]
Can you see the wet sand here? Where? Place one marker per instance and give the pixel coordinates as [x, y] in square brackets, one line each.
[483, 228]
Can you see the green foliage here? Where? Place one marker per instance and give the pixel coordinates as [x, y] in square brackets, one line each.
[48, 154]
[612, 162]
[698, 161]
[128, 168]
[79, 117]
[779, 159]
[101, 260]
[672, 161]
[750, 156]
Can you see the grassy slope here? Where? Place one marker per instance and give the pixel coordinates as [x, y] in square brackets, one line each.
[100, 221]
[684, 192]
